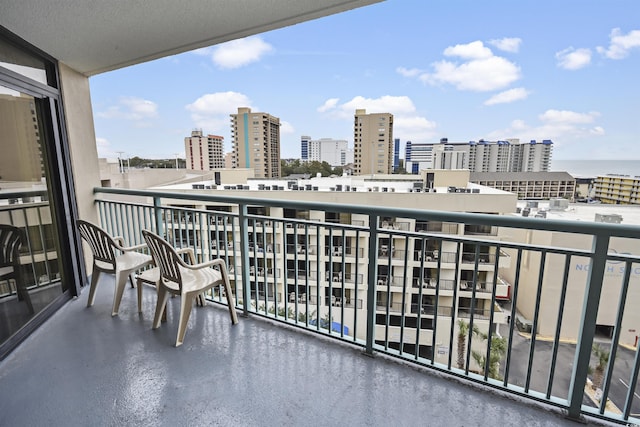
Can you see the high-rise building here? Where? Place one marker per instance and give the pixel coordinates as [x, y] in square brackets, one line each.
[256, 142]
[304, 147]
[373, 143]
[21, 158]
[204, 152]
[336, 152]
[418, 157]
[481, 156]
[396, 154]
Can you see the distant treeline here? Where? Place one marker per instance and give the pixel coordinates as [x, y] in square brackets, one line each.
[137, 162]
[295, 166]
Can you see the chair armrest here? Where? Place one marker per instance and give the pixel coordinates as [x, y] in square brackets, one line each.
[132, 248]
[188, 251]
[211, 263]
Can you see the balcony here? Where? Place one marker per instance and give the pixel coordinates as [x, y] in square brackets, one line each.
[386, 319]
[123, 372]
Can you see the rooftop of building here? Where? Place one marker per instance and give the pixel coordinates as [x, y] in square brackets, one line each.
[630, 214]
[347, 183]
[523, 176]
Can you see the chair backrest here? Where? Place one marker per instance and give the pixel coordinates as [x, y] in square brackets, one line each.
[165, 257]
[10, 242]
[102, 244]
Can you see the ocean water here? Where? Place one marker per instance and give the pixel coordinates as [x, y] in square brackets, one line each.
[592, 168]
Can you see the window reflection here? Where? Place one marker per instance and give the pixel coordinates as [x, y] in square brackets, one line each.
[29, 265]
[22, 63]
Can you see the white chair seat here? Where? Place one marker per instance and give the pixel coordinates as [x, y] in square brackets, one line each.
[194, 280]
[132, 260]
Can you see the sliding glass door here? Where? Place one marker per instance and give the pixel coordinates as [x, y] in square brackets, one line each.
[36, 253]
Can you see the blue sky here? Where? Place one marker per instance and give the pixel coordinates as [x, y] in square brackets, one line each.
[561, 70]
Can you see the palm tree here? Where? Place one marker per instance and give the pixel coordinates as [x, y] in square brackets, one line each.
[498, 350]
[463, 331]
[602, 355]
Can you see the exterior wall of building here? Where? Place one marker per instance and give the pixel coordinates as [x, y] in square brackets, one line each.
[484, 156]
[333, 151]
[373, 143]
[576, 285]
[204, 152]
[530, 185]
[304, 147]
[81, 137]
[256, 142]
[14, 110]
[617, 189]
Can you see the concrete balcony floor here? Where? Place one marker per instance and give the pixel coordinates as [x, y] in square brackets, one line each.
[84, 367]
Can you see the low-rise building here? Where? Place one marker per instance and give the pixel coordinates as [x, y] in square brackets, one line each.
[551, 285]
[529, 185]
[617, 189]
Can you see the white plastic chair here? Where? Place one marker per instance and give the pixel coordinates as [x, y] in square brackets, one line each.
[10, 242]
[179, 278]
[110, 256]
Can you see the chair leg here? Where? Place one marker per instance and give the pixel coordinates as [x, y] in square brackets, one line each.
[230, 300]
[131, 280]
[95, 275]
[160, 305]
[139, 286]
[186, 304]
[121, 281]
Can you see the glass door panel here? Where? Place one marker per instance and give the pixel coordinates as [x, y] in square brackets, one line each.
[30, 268]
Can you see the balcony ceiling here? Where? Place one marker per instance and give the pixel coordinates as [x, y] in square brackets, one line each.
[94, 36]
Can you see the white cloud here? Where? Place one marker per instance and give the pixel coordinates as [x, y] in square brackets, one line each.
[384, 104]
[480, 70]
[620, 44]
[407, 124]
[408, 72]
[329, 104]
[568, 117]
[507, 44]
[286, 128]
[211, 111]
[473, 50]
[479, 75]
[508, 96]
[237, 53]
[131, 108]
[573, 59]
[561, 126]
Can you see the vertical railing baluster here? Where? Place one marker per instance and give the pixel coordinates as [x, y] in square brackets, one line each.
[244, 255]
[588, 323]
[157, 210]
[371, 288]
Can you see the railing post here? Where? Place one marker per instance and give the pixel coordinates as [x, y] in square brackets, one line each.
[371, 288]
[244, 256]
[588, 324]
[157, 211]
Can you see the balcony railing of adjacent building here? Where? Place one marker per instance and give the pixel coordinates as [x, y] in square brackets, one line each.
[417, 324]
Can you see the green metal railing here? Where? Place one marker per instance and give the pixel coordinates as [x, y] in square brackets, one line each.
[414, 322]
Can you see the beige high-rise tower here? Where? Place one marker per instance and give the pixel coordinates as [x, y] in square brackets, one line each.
[373, 143]
[203, 152]
[256, 142]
